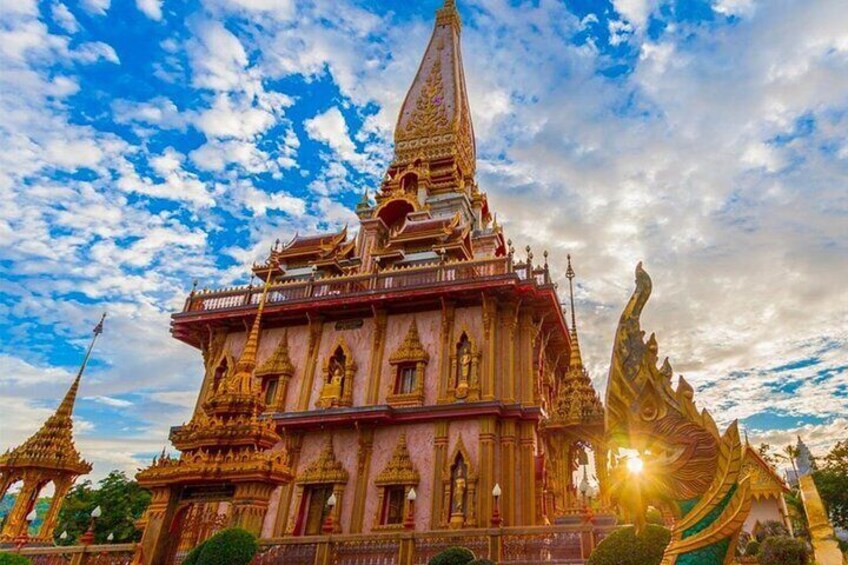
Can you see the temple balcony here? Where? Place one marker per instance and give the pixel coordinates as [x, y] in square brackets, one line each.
[346, 295]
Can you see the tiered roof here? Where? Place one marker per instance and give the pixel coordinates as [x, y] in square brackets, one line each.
[227, 440]
[52, 447]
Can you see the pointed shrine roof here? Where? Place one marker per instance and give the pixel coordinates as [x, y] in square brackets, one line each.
[52, 447]
[435, 119]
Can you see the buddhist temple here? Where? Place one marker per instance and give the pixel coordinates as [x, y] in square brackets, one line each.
[412, 374]
[48, 456]
[767, 490]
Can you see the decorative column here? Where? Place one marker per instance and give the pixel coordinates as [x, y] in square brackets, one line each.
[511, 346]
[508, 442]
[16, 520]
[377, 349]
[61, 488]
[525, 374]
[486, 468]
[250, 503]
[294, 446]
[448, 315]
[363, 468]
[316, 329]
[528, 474]
[157, 518]
[440, 442]
[490, 318]
[602, 473]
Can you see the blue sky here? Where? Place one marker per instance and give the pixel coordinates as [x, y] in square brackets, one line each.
[148, 143]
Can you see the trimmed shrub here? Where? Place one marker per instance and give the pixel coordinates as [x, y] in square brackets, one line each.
[623, 547]
[193, 555]
[481, 562]
[233, 546]
[654, 516]
[453, 556]
[753, 548]
[13, 559]
[783, 551]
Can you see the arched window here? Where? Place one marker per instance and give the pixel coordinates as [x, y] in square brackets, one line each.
[409, 184]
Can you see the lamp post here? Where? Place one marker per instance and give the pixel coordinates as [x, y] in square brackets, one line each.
[88, 537]
[111, 537]
[63, 537]
[496, 509]
[328, 523]
[409, 523]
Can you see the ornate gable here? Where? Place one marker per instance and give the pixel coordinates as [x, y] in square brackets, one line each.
[326, 469]
[399, 470]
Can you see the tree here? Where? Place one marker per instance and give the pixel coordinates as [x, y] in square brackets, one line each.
[832, 482]
[764, 451]
[121, 500]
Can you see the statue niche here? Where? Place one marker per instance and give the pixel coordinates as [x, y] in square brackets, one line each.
[465, 364]
[338, 379]
[460, 491]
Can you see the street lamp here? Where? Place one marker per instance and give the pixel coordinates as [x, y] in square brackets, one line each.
[64, 536]
[496, 510]
[111, 537]
[88, 537]
[328, 523]
[409, 523]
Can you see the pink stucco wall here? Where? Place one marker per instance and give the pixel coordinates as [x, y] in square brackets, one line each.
[429, 330]
[419, 440]
[346, 446]
[359, 342]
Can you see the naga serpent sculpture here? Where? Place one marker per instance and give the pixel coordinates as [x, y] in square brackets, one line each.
[690, 472]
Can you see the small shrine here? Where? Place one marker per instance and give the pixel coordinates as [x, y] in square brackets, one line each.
[48, 456]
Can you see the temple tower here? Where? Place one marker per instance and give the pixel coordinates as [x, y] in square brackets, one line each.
[420, 354]
[49, 456]
[227, 469]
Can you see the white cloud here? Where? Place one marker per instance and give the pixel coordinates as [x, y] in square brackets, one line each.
[96, 7]
[109, 401]
[64, 18]
[150, 8]
[331, 128]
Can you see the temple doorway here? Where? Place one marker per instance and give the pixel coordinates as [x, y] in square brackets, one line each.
[194, 523]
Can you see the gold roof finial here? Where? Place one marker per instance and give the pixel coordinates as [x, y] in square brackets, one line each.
[66, 408]
[576, 358]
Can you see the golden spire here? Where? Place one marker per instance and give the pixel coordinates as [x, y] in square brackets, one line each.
[576, 359]
[52, 446]
[243, 374]
[435, 119]
[66, 408]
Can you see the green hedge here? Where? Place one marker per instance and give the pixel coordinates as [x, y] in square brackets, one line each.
[482, 562]
[623, 547]
[783, 551]
[233, 546]
[453, 556]
[13, 559]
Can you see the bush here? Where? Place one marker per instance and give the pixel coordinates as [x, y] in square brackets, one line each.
[783, 551]
[453, 556]
[12, 559]
[753, 548]
[233, 546]
[481, 562]
[771, 529]
[623, 547]
[654, 516]
[193, 555]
